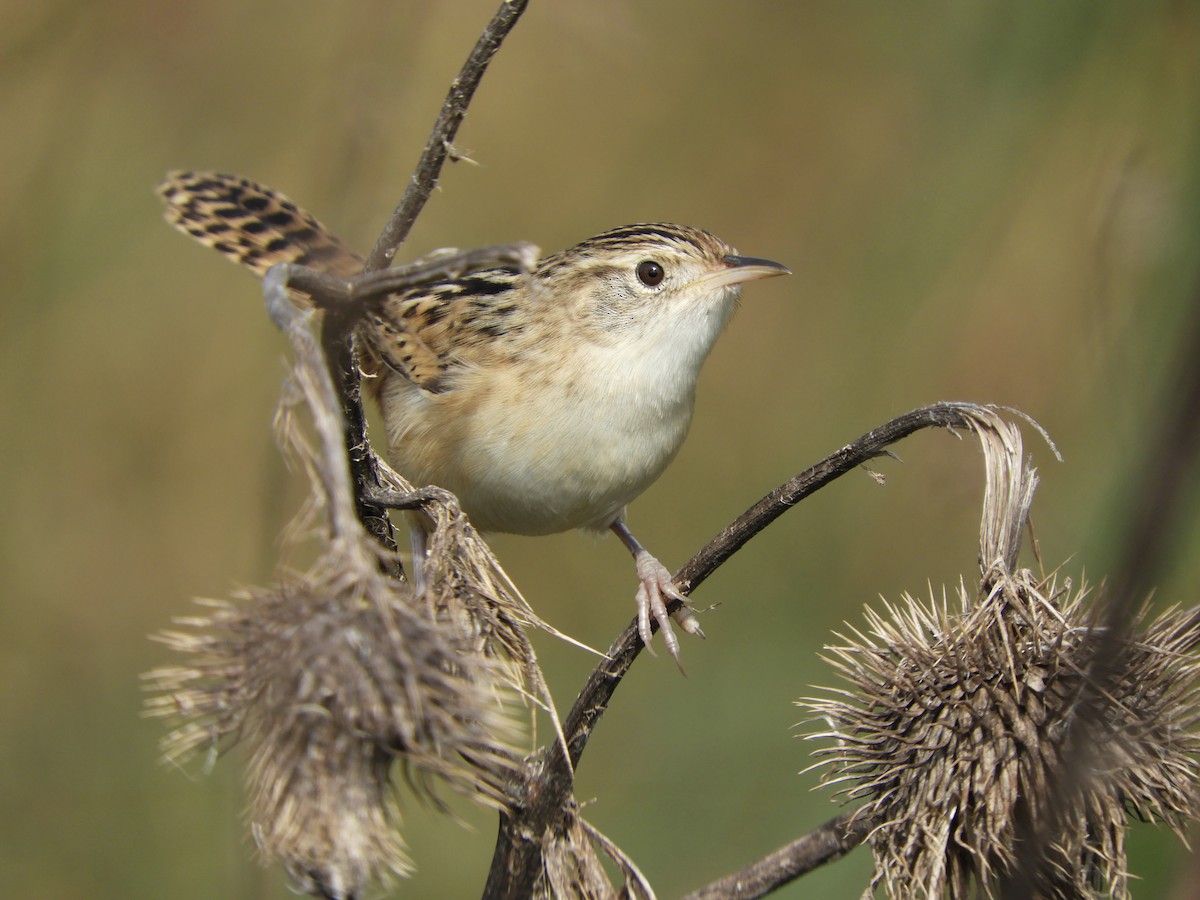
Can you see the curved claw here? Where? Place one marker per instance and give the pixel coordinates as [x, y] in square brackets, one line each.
[655, 590]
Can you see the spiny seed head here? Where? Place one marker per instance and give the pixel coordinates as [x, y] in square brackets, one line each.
[953, 729]
[332, 682]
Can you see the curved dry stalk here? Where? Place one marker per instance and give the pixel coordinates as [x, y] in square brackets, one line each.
[871, 445]
[549, 785]
[822, 845]
[441, 141]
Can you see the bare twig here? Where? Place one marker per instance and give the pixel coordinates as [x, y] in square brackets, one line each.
[441, 141]
[337, 331]
[872, 444]
[823, 844]
[337, 342]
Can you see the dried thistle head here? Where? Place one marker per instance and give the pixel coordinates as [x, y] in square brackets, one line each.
[337, 677]
[959, 735]
[333, 680]
[954, 726]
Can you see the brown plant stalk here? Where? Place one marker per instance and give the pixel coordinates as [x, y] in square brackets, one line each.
[548, 791]
[338, 326]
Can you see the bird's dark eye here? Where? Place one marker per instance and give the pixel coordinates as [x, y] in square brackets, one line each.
[650, 273]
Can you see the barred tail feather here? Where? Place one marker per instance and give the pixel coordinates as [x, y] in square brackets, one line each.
[253, 225]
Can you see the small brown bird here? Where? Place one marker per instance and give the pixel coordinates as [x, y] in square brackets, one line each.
[545, 400]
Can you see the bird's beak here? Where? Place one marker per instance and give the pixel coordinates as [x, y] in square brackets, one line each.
[739, 269]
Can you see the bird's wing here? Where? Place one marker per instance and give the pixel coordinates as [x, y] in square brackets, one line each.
[427, 333]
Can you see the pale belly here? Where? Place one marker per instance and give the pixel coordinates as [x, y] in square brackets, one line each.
[535, 459]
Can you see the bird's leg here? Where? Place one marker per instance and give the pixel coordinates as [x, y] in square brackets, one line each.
[655, 590]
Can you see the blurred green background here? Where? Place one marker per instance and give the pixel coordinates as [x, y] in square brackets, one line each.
[993, 202]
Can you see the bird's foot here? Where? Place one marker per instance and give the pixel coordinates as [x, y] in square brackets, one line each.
[656, 590]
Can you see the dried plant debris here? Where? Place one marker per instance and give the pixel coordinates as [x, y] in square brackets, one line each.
[332, 682]
[464, 586]
[953, 732]
[571, 866]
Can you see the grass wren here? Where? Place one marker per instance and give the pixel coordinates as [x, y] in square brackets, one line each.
[546, 400]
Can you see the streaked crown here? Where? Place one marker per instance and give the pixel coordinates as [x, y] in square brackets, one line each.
[620, 270]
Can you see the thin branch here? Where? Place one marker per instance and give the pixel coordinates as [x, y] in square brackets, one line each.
[871, 445]
[337, 342]
[441, 141]
[338, 328]
[603, 681]
[515, 864]
[822, 845]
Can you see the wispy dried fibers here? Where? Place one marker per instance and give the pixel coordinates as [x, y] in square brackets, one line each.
[572, 868]
[464, 587]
